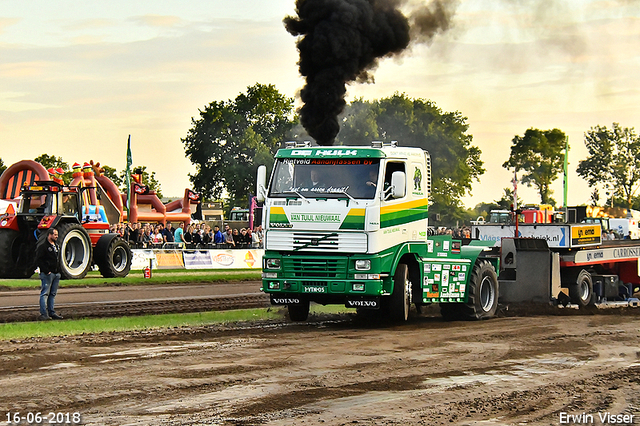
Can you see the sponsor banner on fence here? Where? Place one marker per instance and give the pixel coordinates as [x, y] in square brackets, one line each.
[198, 259]
[169, 259]
[141, 258]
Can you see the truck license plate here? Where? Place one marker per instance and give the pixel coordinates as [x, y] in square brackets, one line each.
[314, 289]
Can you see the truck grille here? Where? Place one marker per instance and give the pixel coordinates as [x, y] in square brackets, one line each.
[342, 242]
[315, 268]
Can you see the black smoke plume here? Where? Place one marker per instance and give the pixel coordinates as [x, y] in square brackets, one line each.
[341, 41]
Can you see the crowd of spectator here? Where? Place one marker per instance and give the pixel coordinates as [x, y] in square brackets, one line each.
[193, 236]
[457, 233]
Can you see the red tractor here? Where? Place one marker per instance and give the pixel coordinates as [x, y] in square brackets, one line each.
[83, 233]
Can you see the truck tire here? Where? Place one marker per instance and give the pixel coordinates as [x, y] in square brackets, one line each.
[299, 312]
[17, 256]
[581, 292]
[113, 256]
[400, 301]
[75, 251]
[483, 295]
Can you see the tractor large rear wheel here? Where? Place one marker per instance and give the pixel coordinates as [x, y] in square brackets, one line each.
[113, 256]
[17, 255]
[75, 251]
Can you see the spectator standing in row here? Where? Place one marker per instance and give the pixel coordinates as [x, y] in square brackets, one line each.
[228, 239]
[157, 239]
[248, 239]
[255, 239]
[177, 235]
[237, 238]
[168, 233]
[197, 237]
[188, 235]
[146, 237]
[260, 235]
[218, 238]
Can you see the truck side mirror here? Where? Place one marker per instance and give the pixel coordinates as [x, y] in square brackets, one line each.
[398, 185]
[261, 189]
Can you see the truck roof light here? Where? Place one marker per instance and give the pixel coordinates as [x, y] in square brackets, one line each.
[296, 144]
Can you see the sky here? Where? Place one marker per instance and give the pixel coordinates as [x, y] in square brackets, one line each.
[78, 77]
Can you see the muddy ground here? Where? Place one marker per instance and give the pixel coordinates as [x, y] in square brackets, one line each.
[336, 370]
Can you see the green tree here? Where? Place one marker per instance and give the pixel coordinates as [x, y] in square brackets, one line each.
[112, 174]
[420, 123]
[147, 179]
[507, 200]
[540, 154]
[231, 139]
[2, 166]
[613, 160]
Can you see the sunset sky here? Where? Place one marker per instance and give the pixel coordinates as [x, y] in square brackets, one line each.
[78, 77]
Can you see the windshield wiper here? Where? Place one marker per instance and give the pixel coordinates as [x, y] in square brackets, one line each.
[298, 194]
[350, 197]
[315, 241]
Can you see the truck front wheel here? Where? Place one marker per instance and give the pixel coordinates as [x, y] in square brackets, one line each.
[400, 302]
[299, 312]
[581, 292]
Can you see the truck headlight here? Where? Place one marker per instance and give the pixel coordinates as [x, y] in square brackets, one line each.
[357, 286]
[272, 264]
[274, 285]
[269, 275]
[363, 265]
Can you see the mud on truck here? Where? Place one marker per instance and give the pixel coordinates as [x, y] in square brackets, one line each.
[83, 233]
[349, 225]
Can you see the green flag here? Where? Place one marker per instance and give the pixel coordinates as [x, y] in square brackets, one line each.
[128, 177]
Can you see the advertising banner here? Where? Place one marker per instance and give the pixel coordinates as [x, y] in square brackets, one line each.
[197, 259]
[141, 259]
[169, 259]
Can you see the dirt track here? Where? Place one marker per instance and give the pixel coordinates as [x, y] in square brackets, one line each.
[335, 371]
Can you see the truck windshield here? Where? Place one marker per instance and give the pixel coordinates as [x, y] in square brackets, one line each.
[326, 178]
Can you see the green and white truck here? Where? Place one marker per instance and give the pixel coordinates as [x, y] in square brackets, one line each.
[348, 225]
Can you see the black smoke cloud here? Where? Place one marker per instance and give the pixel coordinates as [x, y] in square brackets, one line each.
[341, 41]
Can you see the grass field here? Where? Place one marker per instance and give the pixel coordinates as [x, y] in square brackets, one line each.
[159, 276]
[25, 330]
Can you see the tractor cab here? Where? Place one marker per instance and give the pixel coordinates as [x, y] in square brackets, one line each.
[46, 202]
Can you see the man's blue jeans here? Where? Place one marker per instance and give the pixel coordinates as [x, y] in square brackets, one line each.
[48, 292]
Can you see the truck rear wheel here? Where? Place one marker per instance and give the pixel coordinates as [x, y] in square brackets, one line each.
[483, 291]
[75, 251]
[17, 256]
[483, 295]
[400, 301]
[113, 256]
[299, 312]
[581, 292]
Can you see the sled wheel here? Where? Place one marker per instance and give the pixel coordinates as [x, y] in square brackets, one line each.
[581, 292]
